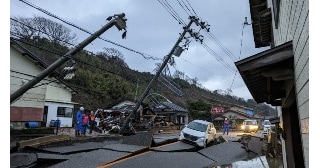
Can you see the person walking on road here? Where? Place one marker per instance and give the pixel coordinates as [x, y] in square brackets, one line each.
[79, 121]
[226, 125]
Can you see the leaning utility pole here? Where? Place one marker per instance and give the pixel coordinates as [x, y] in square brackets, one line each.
[146, 92]
[118, 21]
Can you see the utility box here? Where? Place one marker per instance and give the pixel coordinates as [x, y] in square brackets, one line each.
[52, 123]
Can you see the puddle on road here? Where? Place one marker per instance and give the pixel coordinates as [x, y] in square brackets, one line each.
[257, 162]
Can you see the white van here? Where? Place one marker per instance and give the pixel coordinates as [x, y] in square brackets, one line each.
[250, 126]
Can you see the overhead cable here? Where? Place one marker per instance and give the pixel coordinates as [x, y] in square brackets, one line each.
[146, 56]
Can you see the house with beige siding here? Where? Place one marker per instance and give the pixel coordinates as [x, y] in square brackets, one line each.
[280, 76]
[48, 100]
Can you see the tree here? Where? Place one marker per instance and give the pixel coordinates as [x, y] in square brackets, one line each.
[22, 27]
[178, 74]
[113, 56]
[199, 109]
[195, 80]
[29, 28]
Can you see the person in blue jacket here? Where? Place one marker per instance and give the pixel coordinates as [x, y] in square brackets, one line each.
[226, 125]
[78, 127]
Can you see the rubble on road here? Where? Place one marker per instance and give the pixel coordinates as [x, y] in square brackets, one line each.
[252, 144]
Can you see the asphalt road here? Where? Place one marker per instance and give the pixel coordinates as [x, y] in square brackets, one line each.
[144, 150]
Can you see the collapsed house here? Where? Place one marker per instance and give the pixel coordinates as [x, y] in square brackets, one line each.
[157, 114]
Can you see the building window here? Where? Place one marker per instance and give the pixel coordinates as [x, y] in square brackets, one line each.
[276, 10]
[64, 112]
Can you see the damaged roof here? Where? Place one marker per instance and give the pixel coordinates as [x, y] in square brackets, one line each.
[261, 22]
[167, 107]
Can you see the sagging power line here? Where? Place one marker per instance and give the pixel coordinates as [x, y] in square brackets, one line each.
[187, 8]
[245, 23]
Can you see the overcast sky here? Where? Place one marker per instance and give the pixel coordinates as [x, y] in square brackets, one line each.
[152, 30]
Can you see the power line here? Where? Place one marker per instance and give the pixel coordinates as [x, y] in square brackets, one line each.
[50, 81]
[80, 61]
[228, 52]
[244, 24]
[184, 9]
[211, 51]
[29, 75]
[60, 54]
[224, 49]
[192, 8]
[73, 58]
[15, 20]
[54, 52]
[172, 12]
[146, 56]
[19, 36]
[218, 58]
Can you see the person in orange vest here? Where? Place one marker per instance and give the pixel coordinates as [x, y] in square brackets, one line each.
[85, 122]
[92, 122]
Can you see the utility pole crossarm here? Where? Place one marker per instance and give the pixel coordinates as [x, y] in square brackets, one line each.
[118, 21]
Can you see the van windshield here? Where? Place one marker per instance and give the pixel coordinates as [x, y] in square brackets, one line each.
[248, 122]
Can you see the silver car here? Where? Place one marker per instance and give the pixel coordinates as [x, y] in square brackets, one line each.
[199, 132]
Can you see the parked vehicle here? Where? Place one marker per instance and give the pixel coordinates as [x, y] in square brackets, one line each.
[266, 126]
[250, 126]
[199, 132]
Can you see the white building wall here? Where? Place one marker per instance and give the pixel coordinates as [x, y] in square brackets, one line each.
[58, 93]
[52, 114]
[294, 26]
[22, 70]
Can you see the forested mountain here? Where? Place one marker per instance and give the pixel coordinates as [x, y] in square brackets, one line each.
[104, 79]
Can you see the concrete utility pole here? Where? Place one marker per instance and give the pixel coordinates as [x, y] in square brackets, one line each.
[118, 21]
[146, 92]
